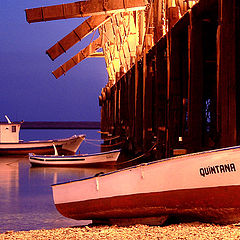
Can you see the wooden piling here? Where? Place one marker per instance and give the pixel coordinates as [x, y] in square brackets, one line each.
[226, 72]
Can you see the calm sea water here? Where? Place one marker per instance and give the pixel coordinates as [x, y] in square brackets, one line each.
[26, 201]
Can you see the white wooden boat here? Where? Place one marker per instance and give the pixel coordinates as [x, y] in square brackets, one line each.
[65, 146]
[202, 186]
[101, 158]
[11, 145]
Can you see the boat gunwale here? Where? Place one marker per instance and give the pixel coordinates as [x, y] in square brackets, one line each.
[149, 163]
[44, 141]
[100, 153]
[55, 160]
[73, 156]
[33, 156]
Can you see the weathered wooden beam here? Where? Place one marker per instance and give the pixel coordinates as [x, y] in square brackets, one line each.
[81, 9]
[87, 27]
[91, 48]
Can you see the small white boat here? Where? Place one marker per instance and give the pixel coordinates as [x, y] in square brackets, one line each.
[201, 186]
[11, 145]
[65, 146]
[102, 158]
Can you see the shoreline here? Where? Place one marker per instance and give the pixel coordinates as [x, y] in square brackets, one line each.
[194, 230]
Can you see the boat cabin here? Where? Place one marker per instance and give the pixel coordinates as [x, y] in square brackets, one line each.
[9, 132]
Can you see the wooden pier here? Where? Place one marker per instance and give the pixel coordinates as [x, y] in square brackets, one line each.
[173, 69]
[182, 94]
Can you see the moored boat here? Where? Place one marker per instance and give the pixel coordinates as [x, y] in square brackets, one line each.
[64, 146]
[11, 145]
[95, 159]
[202, 186]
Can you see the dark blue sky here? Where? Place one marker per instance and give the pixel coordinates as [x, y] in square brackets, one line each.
[28, 90]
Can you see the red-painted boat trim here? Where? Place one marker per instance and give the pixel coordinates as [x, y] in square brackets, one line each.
[215, 204]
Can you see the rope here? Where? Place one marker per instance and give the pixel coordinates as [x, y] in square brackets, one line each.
[133, 159]
[99, 145]
[99, 140]
[112, 138]
[93, 140]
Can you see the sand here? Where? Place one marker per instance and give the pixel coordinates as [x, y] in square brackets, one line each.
[194, 231]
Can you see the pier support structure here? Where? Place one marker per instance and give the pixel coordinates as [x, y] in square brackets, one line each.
[182, 93]
[173, 70]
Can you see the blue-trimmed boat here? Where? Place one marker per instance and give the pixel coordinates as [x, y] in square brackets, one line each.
[95, 159]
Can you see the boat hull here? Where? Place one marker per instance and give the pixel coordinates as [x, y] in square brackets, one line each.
[64, 146]
[95, 159]
[203, 186]
[199, 204]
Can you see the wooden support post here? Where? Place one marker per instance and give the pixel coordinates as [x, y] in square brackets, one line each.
[138, 103]
[161, 98]
[226, 73]
[124, 100]
[118, 103]
[115, 106]
[136, 83]
[168, 36]
[158, 20]
[172, 18]
[176, 98]
[141, 26]
[195, 84]
[237, 24]
[144, 98]
[149, 102]
[132, 106]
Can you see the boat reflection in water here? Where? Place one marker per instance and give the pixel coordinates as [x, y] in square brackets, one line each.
[26, 197]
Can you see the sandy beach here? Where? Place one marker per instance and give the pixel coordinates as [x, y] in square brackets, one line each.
[194, 231]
